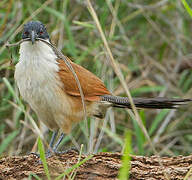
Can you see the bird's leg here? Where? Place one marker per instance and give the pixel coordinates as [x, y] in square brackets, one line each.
[48, 153]
[54, 135]
[53, 148]
[58, 143]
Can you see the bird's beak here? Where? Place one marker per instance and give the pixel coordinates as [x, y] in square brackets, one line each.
[33, 37]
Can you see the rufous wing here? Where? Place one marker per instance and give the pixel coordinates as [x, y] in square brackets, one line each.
[91, 85]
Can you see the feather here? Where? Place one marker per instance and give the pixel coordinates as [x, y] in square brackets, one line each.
[91, 85]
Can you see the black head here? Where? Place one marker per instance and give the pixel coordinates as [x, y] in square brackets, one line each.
[34, 30]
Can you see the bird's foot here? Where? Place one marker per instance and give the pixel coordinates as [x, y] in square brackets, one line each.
[50, 153]
[73, 149]
[34, 153]
[47, 154]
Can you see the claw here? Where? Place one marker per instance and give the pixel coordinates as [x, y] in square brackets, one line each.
[35, 154]
[67, 151]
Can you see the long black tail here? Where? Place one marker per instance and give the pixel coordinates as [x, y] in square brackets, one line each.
[151, 103]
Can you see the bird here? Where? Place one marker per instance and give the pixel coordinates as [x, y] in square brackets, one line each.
[47, 84]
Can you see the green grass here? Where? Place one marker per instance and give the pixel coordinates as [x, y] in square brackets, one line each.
[43, 157]
[126, 158]
[69, 170]
[156, 122]
[140, 138]
[32, 176]
[187, 7]
[149, 44]
[6, 142]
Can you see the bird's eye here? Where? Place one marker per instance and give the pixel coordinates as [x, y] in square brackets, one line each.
[26, 33]
[41, 32]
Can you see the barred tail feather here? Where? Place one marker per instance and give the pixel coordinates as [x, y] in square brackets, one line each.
[150, 103]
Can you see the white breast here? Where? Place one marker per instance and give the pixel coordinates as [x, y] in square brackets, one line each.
[37, 79]
[36, 70]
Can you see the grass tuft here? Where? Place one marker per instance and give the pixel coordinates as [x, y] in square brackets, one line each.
[126, 158]
[69, 170]
[187, 7]
[43, 157]
[6, 142]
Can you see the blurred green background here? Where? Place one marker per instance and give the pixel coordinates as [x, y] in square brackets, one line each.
[151, 40]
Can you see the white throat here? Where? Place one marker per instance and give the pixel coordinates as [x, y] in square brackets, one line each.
[30, 53]
[36, 70]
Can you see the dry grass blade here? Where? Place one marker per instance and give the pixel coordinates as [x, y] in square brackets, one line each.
[72, 70]
[151, 6]
[60, 55]
[113, 62]
[26, 20]
[36, 130]
[120, 75]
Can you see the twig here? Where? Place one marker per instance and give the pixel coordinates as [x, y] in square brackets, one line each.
[7, 44]
[37, 11]
[67, 62]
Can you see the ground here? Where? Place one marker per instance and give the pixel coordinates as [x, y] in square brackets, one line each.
[99, 166]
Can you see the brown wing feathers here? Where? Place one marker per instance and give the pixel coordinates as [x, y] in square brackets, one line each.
[91, 85]
[94, 90]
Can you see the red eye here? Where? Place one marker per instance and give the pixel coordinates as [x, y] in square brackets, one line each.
[41, 32]
[26, 33]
